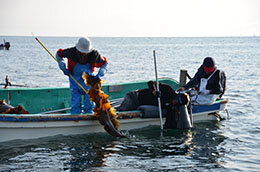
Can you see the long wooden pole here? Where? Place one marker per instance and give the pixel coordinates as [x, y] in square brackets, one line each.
[157, 83]
[57, 61]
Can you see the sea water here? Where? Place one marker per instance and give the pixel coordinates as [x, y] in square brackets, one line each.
[229, 145]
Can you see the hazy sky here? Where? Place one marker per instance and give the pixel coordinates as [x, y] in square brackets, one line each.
[130, 17]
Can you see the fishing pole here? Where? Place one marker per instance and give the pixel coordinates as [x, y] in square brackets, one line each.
[157, 89]
[57, 61]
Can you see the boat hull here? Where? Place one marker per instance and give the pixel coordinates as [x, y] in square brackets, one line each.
[37, 126]
[41, 123]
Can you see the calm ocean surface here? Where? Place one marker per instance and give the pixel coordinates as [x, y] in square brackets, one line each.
[229, 145]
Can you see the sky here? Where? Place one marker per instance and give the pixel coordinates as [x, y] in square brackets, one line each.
[130, 18]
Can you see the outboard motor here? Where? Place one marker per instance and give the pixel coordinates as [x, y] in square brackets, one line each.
[179, 115]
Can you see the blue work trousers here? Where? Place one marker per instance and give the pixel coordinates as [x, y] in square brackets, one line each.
[77, 93]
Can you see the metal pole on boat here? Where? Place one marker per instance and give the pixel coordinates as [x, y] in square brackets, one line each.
[57, 61]
[157, 88]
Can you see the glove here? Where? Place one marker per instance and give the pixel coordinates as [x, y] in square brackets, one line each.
[58, 57]
[204, 92]
[90, 74]
[62, 65]
[102, 71]
[97, 76]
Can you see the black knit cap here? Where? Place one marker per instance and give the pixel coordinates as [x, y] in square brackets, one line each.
[209, 62]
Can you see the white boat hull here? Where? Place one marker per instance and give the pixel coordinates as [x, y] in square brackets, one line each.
[37, 129]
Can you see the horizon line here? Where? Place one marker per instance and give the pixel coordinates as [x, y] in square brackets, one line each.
[135, 36]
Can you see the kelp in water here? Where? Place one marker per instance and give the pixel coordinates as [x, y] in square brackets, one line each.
[103, 110]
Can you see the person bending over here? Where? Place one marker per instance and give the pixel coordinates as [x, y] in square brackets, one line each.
[81, 58]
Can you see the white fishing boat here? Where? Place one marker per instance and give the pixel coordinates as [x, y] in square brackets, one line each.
[49, 112]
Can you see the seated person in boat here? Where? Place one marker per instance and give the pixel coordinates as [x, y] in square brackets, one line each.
[149, 96]
[171, 102]
[210, 82]
[81, 58]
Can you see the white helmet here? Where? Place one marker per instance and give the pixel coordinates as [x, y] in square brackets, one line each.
[84, 45]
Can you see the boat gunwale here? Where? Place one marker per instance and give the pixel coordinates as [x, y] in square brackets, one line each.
[78, 117]
[103, 85]
[62, 117]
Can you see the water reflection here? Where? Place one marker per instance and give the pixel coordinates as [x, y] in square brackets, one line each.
[197, 149]
[209, 143]
[72, 153]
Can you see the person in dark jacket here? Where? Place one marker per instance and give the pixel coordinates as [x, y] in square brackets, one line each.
[81, 58]
[149, 96]
[209, 79]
